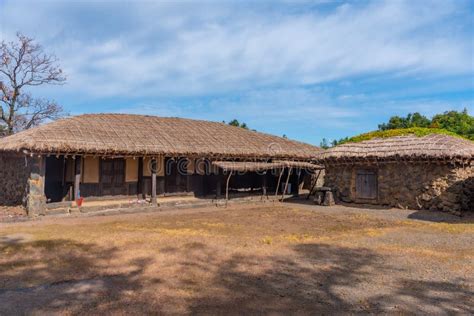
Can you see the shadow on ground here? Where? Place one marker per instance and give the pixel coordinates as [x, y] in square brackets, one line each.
[440, 217]
[62, 275]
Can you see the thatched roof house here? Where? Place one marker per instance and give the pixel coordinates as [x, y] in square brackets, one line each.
[408, 147]
[430, 172]
[97, 155]
[143, 135]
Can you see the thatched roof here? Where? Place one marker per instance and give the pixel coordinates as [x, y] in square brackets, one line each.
[244, 166]
[430, 147]
[124, 134]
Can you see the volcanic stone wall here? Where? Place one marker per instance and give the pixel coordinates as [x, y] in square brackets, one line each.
[14, 175]
[22, 182]
[429, 186]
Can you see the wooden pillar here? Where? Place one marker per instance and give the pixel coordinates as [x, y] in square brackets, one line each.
[264, 184]
[227, 187]
[313, 185]
[279, 180]
[140, 184]
[218, 186]
[297, 187]
[286, 184]
[77, 177]
[153, 183]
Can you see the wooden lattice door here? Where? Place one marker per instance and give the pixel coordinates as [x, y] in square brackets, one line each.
[113, 176]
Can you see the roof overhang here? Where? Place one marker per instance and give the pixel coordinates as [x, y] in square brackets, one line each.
[252, 166]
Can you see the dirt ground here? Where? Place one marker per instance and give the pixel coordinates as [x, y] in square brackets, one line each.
[254, 259]
[11, 213]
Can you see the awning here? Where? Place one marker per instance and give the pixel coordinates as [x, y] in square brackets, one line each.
[242, 166]
[300, 164]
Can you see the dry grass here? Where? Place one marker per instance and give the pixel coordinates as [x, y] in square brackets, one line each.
[268, 259]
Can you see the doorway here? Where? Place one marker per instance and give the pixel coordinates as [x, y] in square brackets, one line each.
[54, 179]
[366, 184]
[112, 178]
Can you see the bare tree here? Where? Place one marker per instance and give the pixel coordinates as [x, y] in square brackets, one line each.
[23, 63]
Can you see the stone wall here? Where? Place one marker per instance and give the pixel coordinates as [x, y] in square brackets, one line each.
[22, 182]
[313, 176]
[410, 185]
[14, 174]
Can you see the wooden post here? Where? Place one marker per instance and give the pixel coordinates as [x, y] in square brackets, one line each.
[77, 178]
[264, 184]
[297, 188]
[227, 188]
[286, 183]
[218, 186]
[153, 182]
[314, 185]
[140, 189]
[279, 180]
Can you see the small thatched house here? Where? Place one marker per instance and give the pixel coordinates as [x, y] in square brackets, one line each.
[111, 155]
[433, 172]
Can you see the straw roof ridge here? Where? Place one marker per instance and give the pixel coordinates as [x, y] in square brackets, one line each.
[433, 146]
[132, 134]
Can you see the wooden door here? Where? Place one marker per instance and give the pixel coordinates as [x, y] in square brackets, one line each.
[54, 179]
[366, 184]
[113, 176]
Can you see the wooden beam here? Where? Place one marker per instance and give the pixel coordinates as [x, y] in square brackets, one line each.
[140, 184]
[153, 183]
[77, 177]
[279, 180]
[314, 185]
[286, 183]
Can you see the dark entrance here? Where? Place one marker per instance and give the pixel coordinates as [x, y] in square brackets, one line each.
[54, 179]
[112, 177]
[366, 184]
[176, 178]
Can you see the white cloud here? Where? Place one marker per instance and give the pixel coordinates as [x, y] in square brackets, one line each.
[146, 49]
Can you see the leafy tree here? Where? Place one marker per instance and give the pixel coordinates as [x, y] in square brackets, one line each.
[236, 123]
[460, 123]
[449, 122]
[24, 64]
[411, 120]
[324, 144]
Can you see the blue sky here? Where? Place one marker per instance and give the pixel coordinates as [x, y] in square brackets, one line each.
[307, 69]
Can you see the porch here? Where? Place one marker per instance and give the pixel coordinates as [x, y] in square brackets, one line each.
[73, 183]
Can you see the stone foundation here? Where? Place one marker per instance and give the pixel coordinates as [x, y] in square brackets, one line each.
[22, 182]
[428, 186]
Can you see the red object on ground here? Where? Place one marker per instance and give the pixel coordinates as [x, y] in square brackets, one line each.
[79, 201]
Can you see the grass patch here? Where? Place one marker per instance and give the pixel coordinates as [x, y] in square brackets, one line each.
[416, 131]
